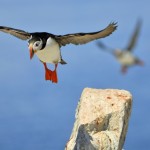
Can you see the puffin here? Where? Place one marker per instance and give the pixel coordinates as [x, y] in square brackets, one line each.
[125, 56]
[46, 46]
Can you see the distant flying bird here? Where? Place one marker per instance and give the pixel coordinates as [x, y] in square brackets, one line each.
[47, 46]
[125, 56]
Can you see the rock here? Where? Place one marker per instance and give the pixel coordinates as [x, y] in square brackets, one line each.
[101, 120]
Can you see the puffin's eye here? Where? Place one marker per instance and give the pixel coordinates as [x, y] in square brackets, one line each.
[37, 44]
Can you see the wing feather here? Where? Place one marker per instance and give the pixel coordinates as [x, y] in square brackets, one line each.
[16, 32]
[134, 37]
[82, 38]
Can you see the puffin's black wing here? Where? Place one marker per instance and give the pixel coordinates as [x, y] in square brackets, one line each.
[82, 38]
[104, 47]
[16, 32]
[134, 37]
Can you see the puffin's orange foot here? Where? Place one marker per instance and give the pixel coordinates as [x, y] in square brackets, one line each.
[50, 75]
[54, 77]
[124, 69]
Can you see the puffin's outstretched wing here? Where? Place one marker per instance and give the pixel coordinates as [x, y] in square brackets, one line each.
[104, 47]
[16, 32]
[134, 37]
[82, 38]
[101, 45]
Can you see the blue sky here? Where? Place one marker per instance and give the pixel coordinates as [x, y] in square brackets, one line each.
[36, 114]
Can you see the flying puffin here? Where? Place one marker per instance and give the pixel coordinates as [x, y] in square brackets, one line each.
[47, 46]
[125, 56]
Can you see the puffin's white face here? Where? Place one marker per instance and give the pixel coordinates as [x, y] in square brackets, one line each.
[37, 45]
[118, 52]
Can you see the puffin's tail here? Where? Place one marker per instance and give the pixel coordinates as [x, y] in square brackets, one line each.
[62, 62]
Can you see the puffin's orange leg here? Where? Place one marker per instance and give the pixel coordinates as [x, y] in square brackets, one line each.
[47, 72]
[54, 75]
[124, 69]
[51, 75]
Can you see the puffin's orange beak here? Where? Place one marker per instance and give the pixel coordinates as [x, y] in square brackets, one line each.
[31, 51]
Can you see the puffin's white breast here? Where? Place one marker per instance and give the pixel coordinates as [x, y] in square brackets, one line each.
[126, 59]
[51, 52]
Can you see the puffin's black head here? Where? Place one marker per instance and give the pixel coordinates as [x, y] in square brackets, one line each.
[35, 44]
[118, 52]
